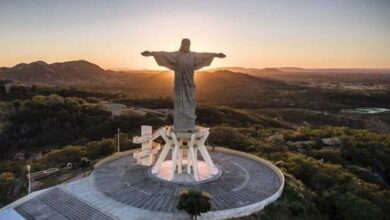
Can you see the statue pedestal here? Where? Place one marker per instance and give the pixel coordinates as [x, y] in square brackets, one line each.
[184, 148]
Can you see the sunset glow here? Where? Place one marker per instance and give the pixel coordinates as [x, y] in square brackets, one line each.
[347, 33]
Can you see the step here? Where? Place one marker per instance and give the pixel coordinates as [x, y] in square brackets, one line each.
[70, 206]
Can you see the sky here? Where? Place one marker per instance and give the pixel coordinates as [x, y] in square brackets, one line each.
[252, 33]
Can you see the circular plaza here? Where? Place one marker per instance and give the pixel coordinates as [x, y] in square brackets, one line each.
[244, 185]
[120, 188]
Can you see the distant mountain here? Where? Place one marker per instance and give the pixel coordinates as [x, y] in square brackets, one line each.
[84, 72]
[347, 75]
[235, 69]
[266, 72]
[291, 69]
[57, 73]
[303, 70]
[261, 71]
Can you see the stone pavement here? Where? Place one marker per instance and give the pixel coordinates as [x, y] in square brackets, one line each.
[121, 189]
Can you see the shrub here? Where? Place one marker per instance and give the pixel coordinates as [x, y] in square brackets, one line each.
[72, 154]
[328, 154]
[7, 179]
[194, 202]
[365, 175]
[296, 199]
[96, 149]
[350, 206]
[231, 137]
[14, 167]
[85, 162]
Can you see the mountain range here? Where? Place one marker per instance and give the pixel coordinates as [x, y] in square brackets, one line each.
[56, 73]
[82, 72]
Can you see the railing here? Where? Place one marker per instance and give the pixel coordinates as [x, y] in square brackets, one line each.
[43, 173]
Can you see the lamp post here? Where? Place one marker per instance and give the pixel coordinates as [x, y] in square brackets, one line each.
[29, 178]
[119, 130]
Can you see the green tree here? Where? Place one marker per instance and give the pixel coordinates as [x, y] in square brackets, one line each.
[7, 180]
[194, 202]
[350, 206]
[231, 137]
[96, 149]
[72, 154]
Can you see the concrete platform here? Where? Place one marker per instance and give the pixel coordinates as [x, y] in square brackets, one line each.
[184, 177]
[121, 189]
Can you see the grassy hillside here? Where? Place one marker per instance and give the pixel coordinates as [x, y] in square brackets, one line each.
[335, 168]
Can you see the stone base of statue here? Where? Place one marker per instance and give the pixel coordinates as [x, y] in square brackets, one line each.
[184, 147]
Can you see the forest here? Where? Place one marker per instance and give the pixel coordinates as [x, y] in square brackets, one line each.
[332, 171]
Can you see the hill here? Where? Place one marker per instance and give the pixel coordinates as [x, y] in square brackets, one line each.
[84, 72]
[56, 73]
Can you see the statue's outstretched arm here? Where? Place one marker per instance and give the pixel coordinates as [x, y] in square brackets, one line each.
[166, 59]
[220, 55]
[205, 59]
[147, 53]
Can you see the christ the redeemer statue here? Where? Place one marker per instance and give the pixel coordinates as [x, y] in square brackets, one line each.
[184, 63]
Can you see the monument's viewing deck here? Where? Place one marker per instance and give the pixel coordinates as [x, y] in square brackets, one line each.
[123, 189]
[242, 182]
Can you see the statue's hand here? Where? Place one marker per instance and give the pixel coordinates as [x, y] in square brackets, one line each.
[146, 53]
[220, 55]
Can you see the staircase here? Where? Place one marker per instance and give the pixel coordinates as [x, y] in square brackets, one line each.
[71, 207]
[61, 205]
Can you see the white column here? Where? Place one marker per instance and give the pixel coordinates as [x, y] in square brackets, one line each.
[192, 156]
[146, 156]
[196, 153]
[161, 158]
[165, 150]
[119, 146]
[207, 158]
[180, 161]
[174, 156]
[188, 161]
[205, 154]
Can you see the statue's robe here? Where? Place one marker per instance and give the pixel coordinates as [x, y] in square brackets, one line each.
[184, 65]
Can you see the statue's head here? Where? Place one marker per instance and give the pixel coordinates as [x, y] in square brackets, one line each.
[185, 45]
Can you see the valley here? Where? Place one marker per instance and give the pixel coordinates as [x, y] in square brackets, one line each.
[335, 158]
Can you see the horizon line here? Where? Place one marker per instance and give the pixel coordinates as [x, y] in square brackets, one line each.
[207, 68]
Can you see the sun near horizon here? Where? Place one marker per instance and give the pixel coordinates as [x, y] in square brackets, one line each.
[253, 34]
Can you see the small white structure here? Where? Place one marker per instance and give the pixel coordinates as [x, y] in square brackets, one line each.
[184, 147]
[149, 148]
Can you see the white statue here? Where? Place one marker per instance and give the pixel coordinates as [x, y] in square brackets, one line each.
[184, 63]
[184, 140]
